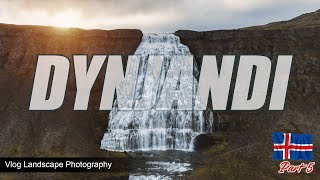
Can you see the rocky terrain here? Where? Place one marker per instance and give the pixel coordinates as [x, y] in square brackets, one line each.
[64, 132]
[240, 147]
[242, 142]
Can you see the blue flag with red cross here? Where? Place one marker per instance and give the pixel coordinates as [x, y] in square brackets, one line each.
[292, 146]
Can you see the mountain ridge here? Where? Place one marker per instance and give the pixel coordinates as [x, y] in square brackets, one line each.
[307, 20]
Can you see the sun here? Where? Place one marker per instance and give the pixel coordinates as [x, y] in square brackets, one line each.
[67, 18]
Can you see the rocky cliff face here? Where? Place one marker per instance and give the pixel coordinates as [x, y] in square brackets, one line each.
[52, 133]
[244, 138]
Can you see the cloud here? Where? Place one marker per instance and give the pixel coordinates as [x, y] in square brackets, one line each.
[157, 16]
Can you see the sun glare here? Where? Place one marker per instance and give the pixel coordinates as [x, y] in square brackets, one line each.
[67, 18]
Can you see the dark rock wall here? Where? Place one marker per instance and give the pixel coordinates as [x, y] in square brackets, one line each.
[248, 134]
[302, 43]
[62, 132]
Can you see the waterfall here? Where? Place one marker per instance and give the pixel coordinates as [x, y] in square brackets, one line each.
[152, 129]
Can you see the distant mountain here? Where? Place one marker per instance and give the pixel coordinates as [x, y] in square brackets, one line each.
[307, 20]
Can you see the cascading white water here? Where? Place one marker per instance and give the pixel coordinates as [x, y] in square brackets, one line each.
[151, 129]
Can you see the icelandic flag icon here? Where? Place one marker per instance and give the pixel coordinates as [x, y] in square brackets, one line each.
[292, 146]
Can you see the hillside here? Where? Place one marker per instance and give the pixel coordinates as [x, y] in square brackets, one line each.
[308, 20]
[243, 145]
[64, 132]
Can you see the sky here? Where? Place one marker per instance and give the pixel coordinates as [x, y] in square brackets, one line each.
[153, 16]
